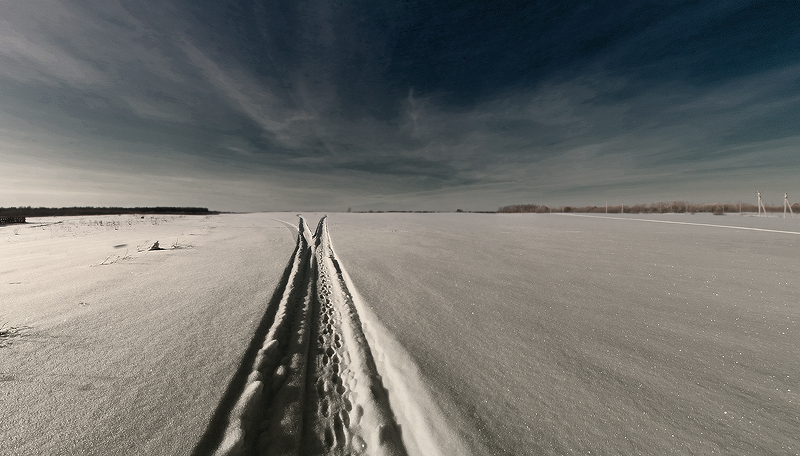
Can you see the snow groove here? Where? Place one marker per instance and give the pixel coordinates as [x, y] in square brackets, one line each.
[312, 388]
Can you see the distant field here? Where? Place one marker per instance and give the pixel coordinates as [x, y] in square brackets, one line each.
[506, 334]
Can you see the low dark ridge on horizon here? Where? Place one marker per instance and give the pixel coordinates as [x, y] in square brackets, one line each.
[677, 207]
[88, 210]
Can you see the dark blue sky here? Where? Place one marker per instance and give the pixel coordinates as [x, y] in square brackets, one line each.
[270, 105]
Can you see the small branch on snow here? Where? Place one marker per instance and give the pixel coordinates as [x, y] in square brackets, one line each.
[9, 332]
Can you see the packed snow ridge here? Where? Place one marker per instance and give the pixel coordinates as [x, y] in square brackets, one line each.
[310, 385]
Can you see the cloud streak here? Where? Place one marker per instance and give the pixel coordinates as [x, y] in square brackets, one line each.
[371, 104]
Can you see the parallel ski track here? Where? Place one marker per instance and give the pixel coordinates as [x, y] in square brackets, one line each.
[308, 384]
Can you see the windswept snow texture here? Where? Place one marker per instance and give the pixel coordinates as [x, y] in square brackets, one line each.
[122, 350]
[392, 334]
[558, 334]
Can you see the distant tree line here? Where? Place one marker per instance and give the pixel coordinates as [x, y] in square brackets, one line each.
[64, 211]
[652, 208]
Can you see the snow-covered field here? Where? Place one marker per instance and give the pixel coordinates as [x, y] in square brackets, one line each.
[558, 334]
[131, 356]
[493, 334]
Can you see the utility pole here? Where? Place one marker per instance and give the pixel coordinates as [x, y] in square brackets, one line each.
[786, 204]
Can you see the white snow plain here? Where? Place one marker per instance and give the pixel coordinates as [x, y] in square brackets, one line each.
[559, 334]
[499, 334]
[131, 356]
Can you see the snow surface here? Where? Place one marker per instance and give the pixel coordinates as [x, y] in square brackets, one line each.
[312, 386]
[559, 334]
[129, 357]
[501, 334]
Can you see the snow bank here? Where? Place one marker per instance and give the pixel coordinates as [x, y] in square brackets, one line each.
[426, 428]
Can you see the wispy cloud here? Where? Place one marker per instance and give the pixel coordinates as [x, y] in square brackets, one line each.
[413, 103]
[253, 99]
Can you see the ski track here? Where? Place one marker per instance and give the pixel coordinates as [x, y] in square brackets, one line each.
[310, 386]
